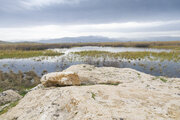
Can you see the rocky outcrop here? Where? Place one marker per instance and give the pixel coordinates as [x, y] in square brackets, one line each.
[60, 79]
[9, 96]
[117, 94]
[39, 86]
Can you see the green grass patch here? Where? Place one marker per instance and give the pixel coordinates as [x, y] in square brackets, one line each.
[1, 90]
[115, 84]
[163, 79]
[174, 55]
[93, 95]
[27, 54]
[13, 104]
[23, 93]
[22, 90]
[167, 47]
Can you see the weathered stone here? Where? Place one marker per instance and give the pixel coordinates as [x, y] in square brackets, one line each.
[40, 86]
[138, 97]
[9, 96]
[60, 79]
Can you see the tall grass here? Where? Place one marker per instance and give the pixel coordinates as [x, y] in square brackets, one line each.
[26, 54]
[18, 81]
[174, 55]
[38, 46]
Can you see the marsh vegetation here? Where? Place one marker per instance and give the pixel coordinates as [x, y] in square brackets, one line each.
[174, 55]
[34, 60]
[26, 54]
[175, 45]
[20, 81]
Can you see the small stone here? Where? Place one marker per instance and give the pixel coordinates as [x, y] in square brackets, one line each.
[9, 96]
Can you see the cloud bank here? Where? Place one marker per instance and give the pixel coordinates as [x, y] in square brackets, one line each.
[22, 19]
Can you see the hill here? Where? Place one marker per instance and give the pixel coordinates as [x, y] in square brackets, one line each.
[95, 39]
[82, 39]
[3, 42]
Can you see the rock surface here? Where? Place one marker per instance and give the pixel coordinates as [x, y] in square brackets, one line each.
[9, 96]
[40, 86]
[60, 79]
[118, 94]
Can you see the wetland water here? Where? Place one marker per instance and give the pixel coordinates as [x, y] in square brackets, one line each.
[59, 63]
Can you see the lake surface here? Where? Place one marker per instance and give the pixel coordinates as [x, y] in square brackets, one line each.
[59, 63]
[109, 49]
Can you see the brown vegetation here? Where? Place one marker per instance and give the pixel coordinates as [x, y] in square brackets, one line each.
[26, 54]
[18, 81]
[174, 55]
[38, 46]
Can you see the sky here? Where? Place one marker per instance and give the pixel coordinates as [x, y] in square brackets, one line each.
[33, 20]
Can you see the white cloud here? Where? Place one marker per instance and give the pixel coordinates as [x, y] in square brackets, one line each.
[42, 3]
[106, 30]
[127, 25]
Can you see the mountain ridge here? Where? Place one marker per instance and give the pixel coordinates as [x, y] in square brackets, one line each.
[95, 39]
[90, 39]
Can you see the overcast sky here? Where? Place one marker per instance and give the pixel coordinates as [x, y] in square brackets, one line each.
[44, 19]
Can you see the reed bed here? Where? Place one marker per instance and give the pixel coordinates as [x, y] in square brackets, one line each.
[38, 46]
[26, 54]
[174, 55]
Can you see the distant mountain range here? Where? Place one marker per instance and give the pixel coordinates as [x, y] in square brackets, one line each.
[3, 41]
[82, 39]
[90, 39]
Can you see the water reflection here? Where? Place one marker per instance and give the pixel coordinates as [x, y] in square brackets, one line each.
[108, 49]
[51, 64]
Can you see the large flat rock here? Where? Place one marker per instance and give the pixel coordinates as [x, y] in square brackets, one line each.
[138, 96]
